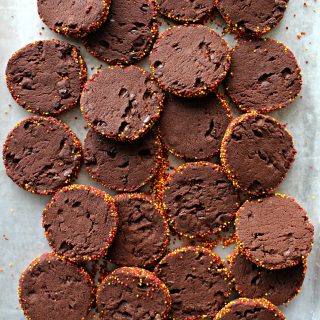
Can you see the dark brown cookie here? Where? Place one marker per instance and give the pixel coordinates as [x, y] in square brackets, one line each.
[264, 76]
[122, 166]
[274, 232]
[53, 288]
[46, 77]
[128, 34]
[73, 19]
[252, 18]
[194, 128]
[42, 155]
[80, 222]
[185, 10]
[132, 293]
[143, 233]
[278, 286]
[199, 199]
[257, 153]
[198, 282]
[121, 103]
[190, 61]
[243, 308]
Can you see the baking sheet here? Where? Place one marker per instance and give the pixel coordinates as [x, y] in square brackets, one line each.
[21, 235]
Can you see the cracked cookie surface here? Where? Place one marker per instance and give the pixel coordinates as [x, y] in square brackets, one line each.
[264, 76]
[42, 155]
[53, 288]
[80, 222]
[46, 77]
[274, 232]
[190, 60]
[122, 103]
[197, 280]
[142, 235]
[128, 34]
[257, 153]
[199, 199]
[121, 166]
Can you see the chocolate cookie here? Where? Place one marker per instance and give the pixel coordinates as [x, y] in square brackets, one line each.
[257, 153]
[185, 10]
[252, 18]
[198, 282]
[243, 308]
[264, 76]
[128, 34]
[122, 166]
[193, 128]
[73, 19]
[121, 103]
[132, 293]
[199, 199]
[143, 233]
[42, 155]
[80, 222]
[46, 77]
[274, 232]
[278, 286]
[190, 61]
[53, 288]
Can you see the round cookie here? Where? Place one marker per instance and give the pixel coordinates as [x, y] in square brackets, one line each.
[198, 282]
[264, 76]
[128, 34]
[80, 222]
[194, 128]
[73, 19]
[190, 61]
[254, 18]
[132, 293]
[274, 232]
[257, 153]
[185, 10]
[121, 103]
[258, 309]
[143, 233]
[122, 166]
[54, 288]
[46, 77]
[199, 199]
[42, 155]
[278, 286]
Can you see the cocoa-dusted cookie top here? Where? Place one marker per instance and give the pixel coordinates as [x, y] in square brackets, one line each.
[257, 153]
[53, 288]
[242, 308]
[185, 10]
[42, 155]
[274, 232]
[80, 222]
[121, 166]
[198, 282]
[194, 128]
[128, 34]
[264, 76]
[121, 103]
[278, 286]
[143, 233]
[190, 61]
[199, 199]
[46, 77]
[254, 18]
[132, 293]
[73, 19]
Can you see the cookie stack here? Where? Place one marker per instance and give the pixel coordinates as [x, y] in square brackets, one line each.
[136, 119]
